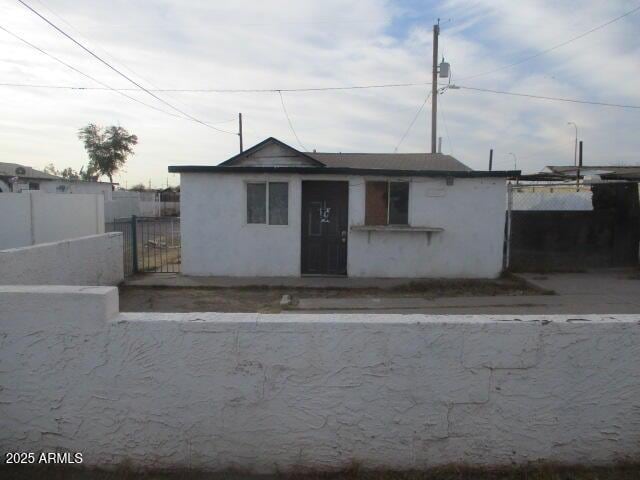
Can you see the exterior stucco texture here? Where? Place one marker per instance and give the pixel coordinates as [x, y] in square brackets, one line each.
[275, 392]
[90, 260]
[216, 239]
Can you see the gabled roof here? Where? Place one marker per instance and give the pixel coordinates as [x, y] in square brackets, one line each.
[236, 159]
[381, 164]
[9, 170]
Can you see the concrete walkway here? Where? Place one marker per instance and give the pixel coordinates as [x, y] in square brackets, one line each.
[615, 292]
[576, 293]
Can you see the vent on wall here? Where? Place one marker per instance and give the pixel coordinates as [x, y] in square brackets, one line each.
[20, 171]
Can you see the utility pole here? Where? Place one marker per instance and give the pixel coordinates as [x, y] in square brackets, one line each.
[578, 171]
[240, 131]
[434, 88]
[490, 159]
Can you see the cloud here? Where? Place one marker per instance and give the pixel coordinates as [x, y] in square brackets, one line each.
[286, 43]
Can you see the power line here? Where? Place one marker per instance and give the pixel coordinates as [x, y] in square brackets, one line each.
[99, 47]
[289, 120]
[225, 90]
[106, 87]
[555, 47]
[120, 73]
[415, 117]
[277, 90]
[542, 97]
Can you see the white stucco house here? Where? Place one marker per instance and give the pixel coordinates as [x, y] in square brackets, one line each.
[18, 178]
[276, 211]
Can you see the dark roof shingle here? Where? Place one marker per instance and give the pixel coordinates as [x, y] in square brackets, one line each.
[391, 161]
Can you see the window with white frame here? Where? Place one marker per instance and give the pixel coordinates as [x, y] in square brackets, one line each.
[268, 202]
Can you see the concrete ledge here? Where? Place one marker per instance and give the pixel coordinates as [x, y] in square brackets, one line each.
[90, 260]
[279, 392]
[29, 308]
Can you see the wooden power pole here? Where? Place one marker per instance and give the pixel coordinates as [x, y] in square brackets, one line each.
[434, 88]
[240, 131]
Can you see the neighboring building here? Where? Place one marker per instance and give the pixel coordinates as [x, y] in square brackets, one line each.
[275, 211]
[18, 178]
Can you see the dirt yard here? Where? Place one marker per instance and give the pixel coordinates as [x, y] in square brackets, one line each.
[267, 300]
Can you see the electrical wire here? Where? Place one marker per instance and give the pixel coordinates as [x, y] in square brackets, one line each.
[542, 97]
[225, 90]
[90, 52]
[415, 117]
[555, 47]
[107, 53]
[106, 87]
[284, 109]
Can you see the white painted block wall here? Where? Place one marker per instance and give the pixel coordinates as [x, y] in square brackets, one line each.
[36, 217]
[216, 240]
[91, 260]
[275, 392]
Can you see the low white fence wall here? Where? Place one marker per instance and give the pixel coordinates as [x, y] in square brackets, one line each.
[37, 217]
[91, 260]
[275, 392]
[123, 207]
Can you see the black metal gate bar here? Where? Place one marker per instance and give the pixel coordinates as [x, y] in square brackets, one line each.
[149, 244]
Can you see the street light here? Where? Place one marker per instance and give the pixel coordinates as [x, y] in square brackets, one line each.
[515, 160]
[575, 146]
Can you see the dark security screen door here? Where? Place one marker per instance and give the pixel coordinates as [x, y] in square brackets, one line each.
[324, 227]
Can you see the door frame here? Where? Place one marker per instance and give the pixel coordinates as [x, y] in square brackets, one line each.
[324, 179]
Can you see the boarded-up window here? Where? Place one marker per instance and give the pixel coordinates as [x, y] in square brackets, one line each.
[278, 203]
[376, 204]
[387, 203]
[256, 202]
[272, 197]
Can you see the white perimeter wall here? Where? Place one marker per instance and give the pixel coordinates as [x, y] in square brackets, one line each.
[37, 217]
[274, 392]
[216, 240]
[92, 260]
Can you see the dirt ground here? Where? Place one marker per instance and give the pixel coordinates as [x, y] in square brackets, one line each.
[532, 472]
[267, 300]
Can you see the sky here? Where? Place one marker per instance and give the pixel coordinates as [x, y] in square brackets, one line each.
[283, 44]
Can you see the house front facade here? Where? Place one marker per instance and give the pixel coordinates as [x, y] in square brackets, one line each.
[16, 178]
[274, 211]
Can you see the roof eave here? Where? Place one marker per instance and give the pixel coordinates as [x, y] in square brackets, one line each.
[344, 171]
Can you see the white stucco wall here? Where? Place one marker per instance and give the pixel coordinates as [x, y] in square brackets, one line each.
[38, 217]
[216, 240]
[274, 392]
[94, 188]
[91, 260]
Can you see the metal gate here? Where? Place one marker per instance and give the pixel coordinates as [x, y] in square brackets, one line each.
[150, 244]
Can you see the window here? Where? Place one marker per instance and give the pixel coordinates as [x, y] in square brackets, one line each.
[387, 203]
[271, 197]
[278, 203]
[34, 186]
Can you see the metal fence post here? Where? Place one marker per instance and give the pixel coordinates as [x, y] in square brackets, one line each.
[134, 242]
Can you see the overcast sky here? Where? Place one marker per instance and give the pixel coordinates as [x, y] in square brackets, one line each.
[303, 43]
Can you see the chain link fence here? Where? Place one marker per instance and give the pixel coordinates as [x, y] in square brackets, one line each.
[559, 197]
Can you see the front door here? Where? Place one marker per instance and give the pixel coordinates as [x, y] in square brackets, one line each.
[324, 227]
